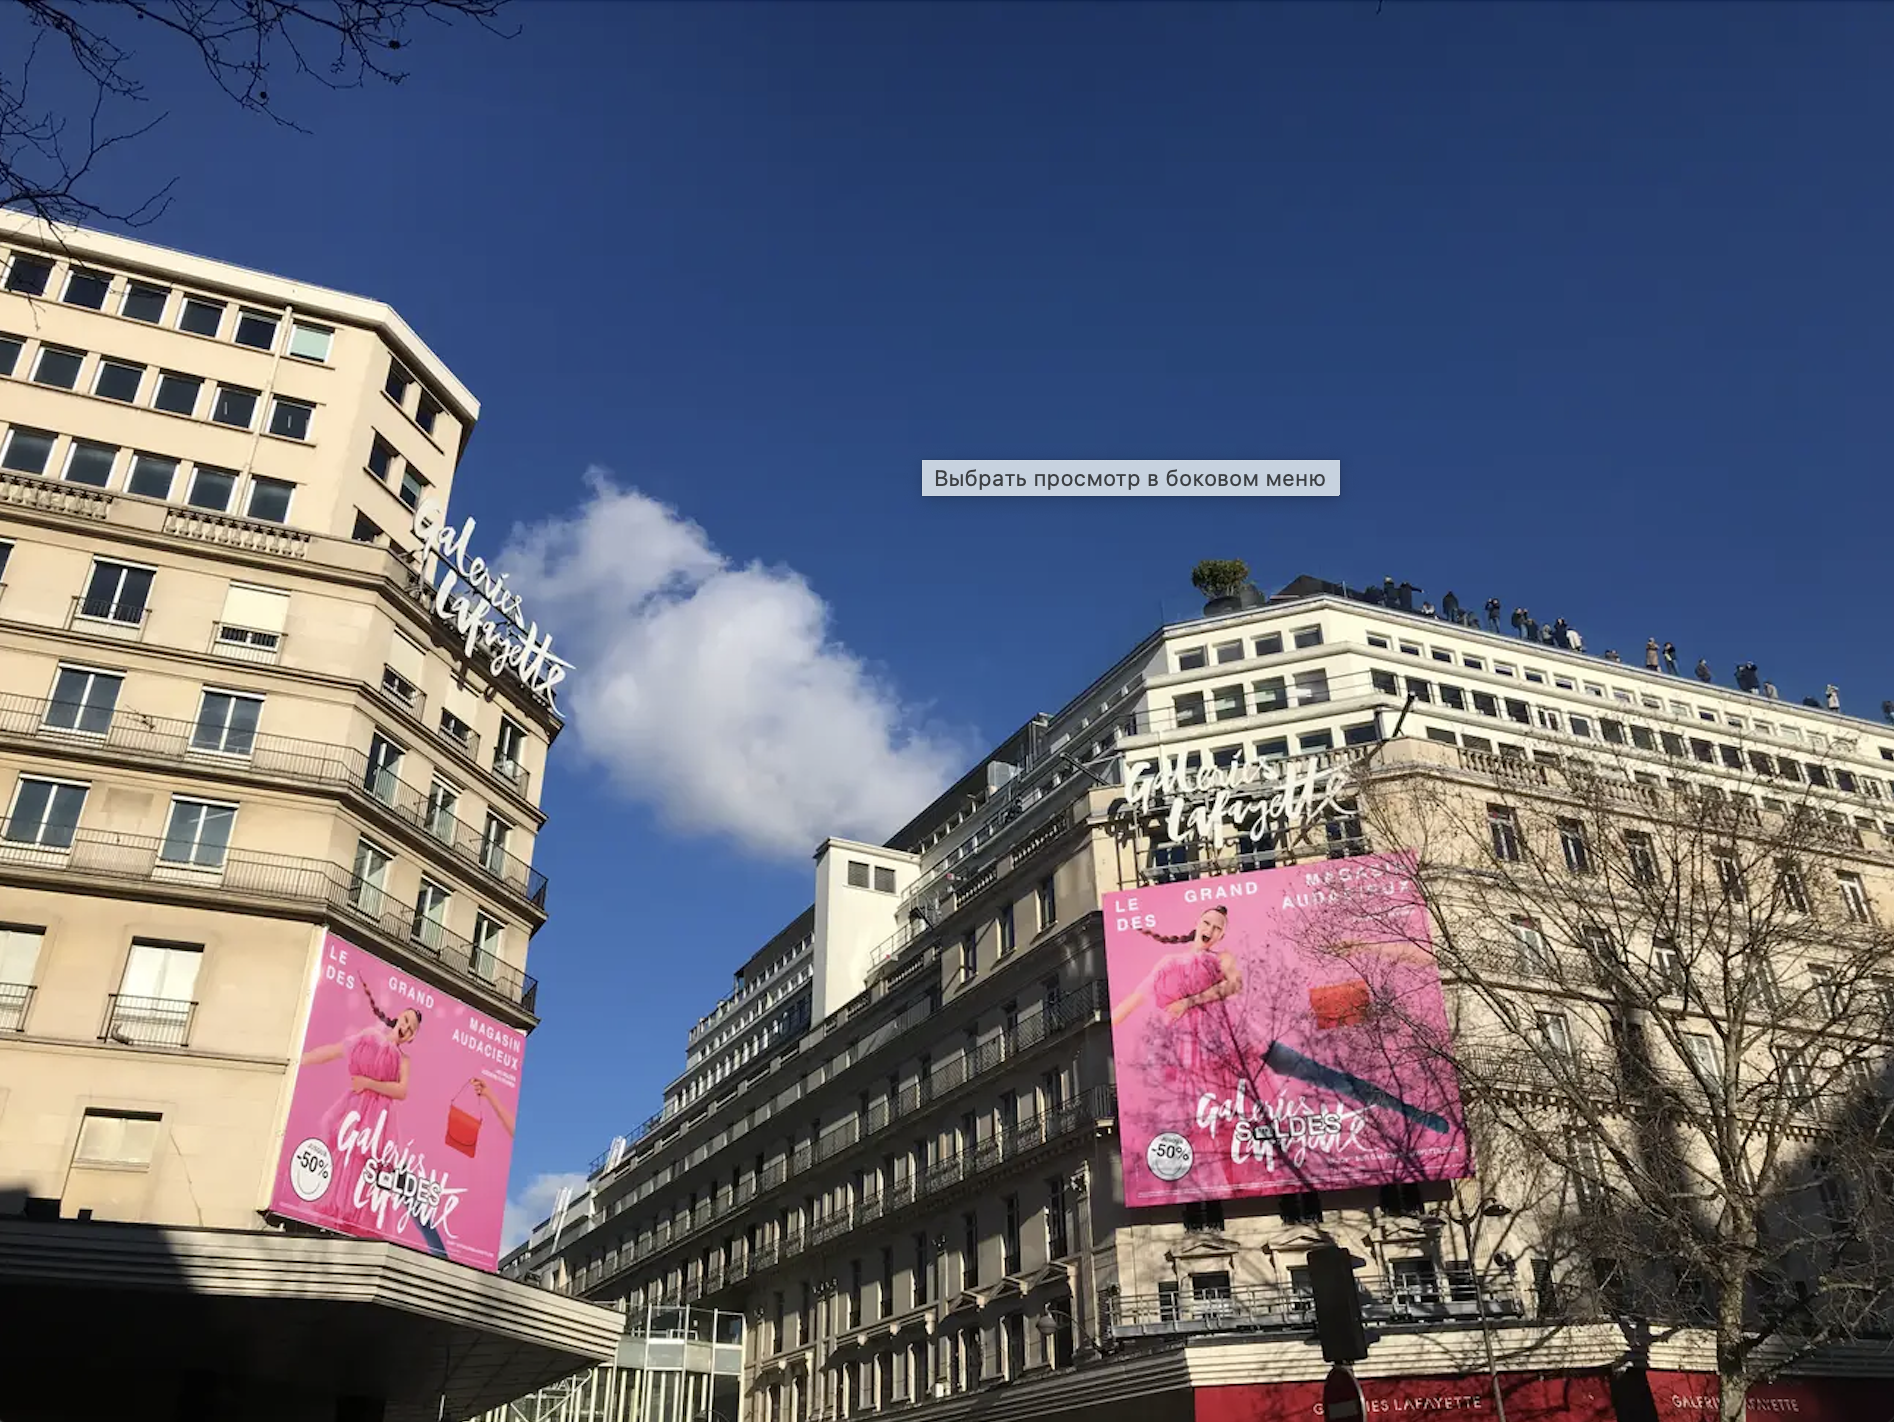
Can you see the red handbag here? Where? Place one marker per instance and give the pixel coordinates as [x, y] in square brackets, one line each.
[1340, 1005]
[463, 1127]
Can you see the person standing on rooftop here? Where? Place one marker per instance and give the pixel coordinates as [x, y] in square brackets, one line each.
[1833, 697]
[1651, 655]
[1703, 670]
[1670, 658]
[1492, 613]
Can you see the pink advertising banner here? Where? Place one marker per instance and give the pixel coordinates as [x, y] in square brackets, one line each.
[1280, 1031]
[402, 1116]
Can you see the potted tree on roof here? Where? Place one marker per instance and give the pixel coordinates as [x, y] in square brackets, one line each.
[1226, 586]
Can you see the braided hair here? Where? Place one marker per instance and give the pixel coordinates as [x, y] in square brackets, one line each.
[1189, 937]
[383, 1017]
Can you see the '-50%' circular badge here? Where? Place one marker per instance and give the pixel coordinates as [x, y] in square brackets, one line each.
[1168, 1157]
[311, 1169]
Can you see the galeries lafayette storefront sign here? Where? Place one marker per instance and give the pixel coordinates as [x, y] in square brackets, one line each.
[1213, 802]
[486, 614]
[1556, 1397]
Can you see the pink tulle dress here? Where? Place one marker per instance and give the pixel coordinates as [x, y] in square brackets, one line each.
[371, 1053]
[1175, 978]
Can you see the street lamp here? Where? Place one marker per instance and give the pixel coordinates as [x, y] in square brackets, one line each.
[1490, 1209]
[1050, 1322]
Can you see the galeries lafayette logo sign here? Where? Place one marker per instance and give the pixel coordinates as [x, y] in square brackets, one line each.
[1216, 800]
[476, 602]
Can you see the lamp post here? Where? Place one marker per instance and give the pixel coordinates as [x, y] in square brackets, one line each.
[1050, 1321]
[1491, 1209]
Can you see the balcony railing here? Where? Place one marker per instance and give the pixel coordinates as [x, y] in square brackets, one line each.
[230, 531]
[55, 496]
[246, 644]
[15, 999]
[1072, 1009]
[173, 741]
[147, 1021]
[1387, 1299]
[125, 618]
[1075, 1118]
[313, 885]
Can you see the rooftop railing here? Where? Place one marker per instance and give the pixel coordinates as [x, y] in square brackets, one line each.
[312, 885]
[213, 748]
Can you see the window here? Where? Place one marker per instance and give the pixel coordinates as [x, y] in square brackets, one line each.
[1700, 1053]
[310, 342]
[118, 380]
[1189, 709]
[1641, 857]
[430, 914]
[426, 410]
[88, 289]
[226, 723]
[1400, 1199]
[88, 463]
[1854, 898]
[116, 593]
[1485, 703]
[153, 1005]
[1572, 843]
[369, 877]
[1791, 1071]
[1529, 942]
[1308, 636]
[493, 843]
[1555, 1035]
[269, 499]
[83, 700]
[1304, 1207]
[381, 458]
[488, 931]
[58, 368]
[1269, 645]
[969, 958]
[118, 1138]
[508, 747]
[1005, 926]
[399, 687]
[19, 958]
[1048, 901]
[1229, 702]
[234, 406]
[1203, 1216]
[1729, 876]
[10, 347]
[413, 487]
[1667, 966]
[442, 802]
[1192, 659]
[857, 874]
[398, 382]
[1010, 1251]
[1789, 886]
[201, 317]
[1308, 688]
[456, 730]
[1503, 825]
[290, 418]
[256, 328]
[366, 530]
[177, 393]
[1229, 651]
[1384, 682]
[152, 476]
[384, 763]
[28, 275]
[45, 813]
[1365, 734]
[198, 834]
[1415, 1281]
[1315, 741]
[144, 302]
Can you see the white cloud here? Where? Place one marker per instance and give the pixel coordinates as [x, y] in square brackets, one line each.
[714, 692]
[534, 1203]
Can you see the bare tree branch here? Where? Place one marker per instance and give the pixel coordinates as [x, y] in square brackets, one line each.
[48, 158]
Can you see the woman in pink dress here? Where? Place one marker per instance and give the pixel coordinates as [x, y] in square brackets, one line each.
[1180, 984]
[378, 1077]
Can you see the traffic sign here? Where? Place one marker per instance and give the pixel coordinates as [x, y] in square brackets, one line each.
[1341, 1396]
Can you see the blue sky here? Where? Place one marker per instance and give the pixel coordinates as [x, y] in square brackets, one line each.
[1592, 303]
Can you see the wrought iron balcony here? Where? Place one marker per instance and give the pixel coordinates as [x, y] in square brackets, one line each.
[1420, 1297]
[172, 741]
[147, 1021]
[15, 999]
[314, 886]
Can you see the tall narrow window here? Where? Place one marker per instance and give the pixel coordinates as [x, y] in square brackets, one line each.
[1789, 886]
[1572, 842]
[116, 592]
[19, 962]
[1048, 903]
[493, 855]
[509, 748]
[45, 813]
[1854, 898]
[153, 1005]
[368, 883]
[1641, 857]
[83, 700]
[1729, 877]
[430, 914]
[1006, 932]
[384, 766]
[198, 833]
[443, 801]
[1503, 825]
[488, 933]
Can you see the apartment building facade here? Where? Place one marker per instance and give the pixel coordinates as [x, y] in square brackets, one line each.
[914, 1191]
[234, 721]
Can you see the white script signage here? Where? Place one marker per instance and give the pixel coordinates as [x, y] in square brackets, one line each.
[510, 643]
[1249, 794]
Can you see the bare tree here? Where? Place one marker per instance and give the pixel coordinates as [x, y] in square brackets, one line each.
[1670, 982]
[49, 154]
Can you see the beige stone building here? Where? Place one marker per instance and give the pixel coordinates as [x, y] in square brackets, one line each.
[230, 719]
[896, 1147]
